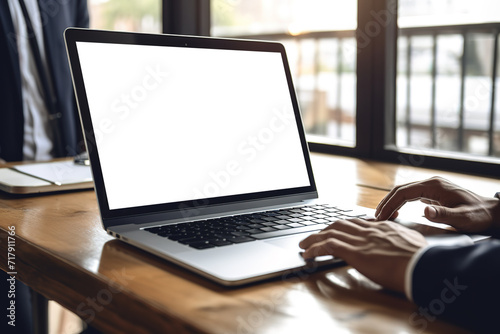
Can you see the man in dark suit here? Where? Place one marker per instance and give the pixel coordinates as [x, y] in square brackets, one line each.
[458, 283]
[52, 17]
[26, 133]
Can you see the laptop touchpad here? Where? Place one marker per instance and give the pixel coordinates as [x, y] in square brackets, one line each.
[290, 242]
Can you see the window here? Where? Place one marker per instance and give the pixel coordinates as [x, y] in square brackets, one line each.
[412, 82]
[319, 36]
[446, 77]
[138, 15]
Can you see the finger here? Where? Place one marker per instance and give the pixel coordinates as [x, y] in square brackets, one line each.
[330, 246]
[384, 200]
[429, 189]
[317, 237]
[414, 191]
[441, 214]
[390, 195]
[459, 217]
[361, 222]
[351, 231]
[331, 234]
[351, 226]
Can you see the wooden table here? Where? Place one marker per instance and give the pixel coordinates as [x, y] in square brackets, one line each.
[63, 253]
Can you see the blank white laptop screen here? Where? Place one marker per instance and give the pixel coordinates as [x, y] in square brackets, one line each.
[177, 124]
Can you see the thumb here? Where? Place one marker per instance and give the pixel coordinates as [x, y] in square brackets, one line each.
[441, 214]
[463, 218]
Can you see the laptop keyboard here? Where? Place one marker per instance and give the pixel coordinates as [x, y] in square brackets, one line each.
[230, 230]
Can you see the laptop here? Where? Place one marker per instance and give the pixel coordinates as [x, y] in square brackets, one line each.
[198, 151]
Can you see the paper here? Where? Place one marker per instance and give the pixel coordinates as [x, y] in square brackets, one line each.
[61, 172]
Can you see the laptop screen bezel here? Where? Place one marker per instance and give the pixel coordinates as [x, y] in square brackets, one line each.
[112, 217]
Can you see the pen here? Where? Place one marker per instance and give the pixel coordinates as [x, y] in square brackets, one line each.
[36, 177]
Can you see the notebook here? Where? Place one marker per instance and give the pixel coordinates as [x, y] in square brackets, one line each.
[198, 151]
[42, 177]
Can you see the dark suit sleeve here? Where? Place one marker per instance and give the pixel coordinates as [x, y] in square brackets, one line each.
[460, 284]
[57, 17]
[82, 14]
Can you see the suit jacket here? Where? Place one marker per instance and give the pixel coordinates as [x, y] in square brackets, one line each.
[461, 284]
[56, 17]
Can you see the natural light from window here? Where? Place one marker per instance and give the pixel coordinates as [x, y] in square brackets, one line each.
[130, 15]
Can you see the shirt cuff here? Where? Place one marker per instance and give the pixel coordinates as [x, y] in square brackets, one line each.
[409, 270]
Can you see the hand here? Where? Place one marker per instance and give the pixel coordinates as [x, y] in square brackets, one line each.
[450, 204]
[379, 250]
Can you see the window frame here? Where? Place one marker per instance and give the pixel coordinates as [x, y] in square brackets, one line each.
[186, 17]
